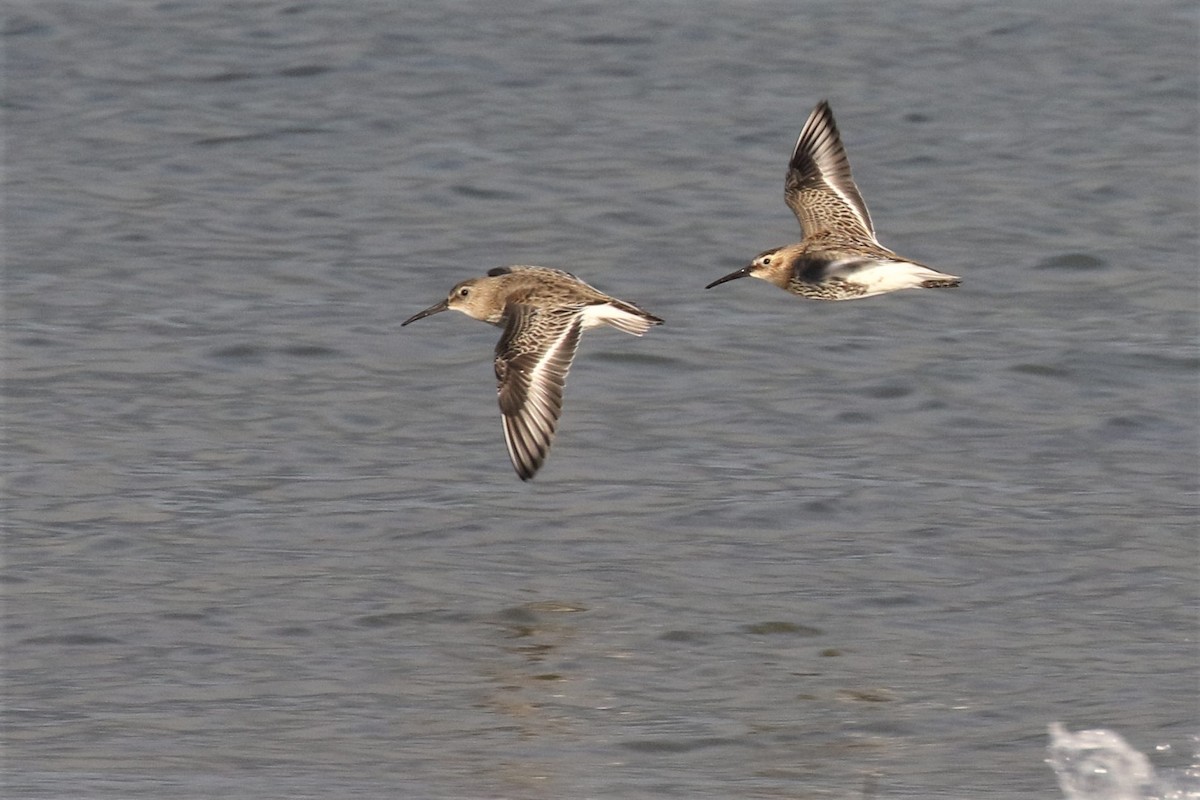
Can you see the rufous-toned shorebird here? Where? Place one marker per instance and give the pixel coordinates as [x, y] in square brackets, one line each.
[839, 257]
[543, 312]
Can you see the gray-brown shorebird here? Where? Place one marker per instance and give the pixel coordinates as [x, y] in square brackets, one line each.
[839, 257]
[543, 312]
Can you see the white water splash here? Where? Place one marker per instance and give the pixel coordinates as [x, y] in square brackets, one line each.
[1099, 765]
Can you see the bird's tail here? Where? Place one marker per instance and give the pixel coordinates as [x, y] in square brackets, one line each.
[627, 317]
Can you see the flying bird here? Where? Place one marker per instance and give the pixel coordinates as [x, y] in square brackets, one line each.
[543, 311]
[839, 257]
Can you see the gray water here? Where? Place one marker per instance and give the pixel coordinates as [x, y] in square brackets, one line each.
[260, 542]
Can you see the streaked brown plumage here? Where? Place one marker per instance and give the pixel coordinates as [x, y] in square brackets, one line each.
[839, 257]
[543, 312]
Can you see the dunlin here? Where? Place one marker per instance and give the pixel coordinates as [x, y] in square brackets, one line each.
[839, 257]
[543, 312]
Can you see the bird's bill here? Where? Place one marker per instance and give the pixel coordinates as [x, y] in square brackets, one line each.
[741, 273]
[433, 309]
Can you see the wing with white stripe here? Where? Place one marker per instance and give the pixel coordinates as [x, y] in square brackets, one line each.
[819, 188]
[533, 357]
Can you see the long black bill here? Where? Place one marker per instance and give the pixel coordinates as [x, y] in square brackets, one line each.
[741, 273]
[433, 309]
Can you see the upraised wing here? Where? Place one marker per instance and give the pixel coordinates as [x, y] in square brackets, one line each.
[819, 188]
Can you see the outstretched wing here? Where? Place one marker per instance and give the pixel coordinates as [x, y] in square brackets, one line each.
[533, 357]
[819, 188]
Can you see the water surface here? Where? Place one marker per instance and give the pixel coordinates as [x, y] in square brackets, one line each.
[260, 542]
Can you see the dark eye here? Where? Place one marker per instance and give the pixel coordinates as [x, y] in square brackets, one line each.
[463, 292]
[767, 260]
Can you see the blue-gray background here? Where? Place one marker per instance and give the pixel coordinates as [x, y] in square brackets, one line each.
[261, 542]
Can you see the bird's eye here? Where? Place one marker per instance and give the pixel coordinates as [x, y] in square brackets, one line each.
[463, 292]
[767, 260]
